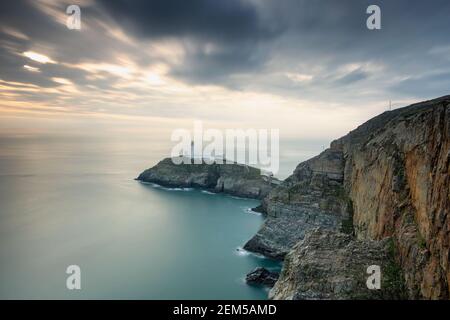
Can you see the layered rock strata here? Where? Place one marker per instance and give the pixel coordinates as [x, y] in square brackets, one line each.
[394, 178]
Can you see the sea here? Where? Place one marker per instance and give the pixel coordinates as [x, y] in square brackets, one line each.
[68, 201]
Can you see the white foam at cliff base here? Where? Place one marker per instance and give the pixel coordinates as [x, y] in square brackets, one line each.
[242, 252]
[249, 210]
[208, 192]
[155, 185]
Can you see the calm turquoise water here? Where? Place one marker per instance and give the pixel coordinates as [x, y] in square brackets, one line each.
[59, 207]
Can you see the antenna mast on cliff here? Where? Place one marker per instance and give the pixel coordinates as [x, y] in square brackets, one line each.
[390, 105]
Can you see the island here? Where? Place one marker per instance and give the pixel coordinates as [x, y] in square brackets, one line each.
[230, 178]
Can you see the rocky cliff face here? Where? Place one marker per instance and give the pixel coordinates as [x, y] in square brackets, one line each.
[333, 265]
[312, 197]
[235, 179]
[388, 179]
[397, 174]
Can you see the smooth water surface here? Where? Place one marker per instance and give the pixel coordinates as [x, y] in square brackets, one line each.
[131, 240]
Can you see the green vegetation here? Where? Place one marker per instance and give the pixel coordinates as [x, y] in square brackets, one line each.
[421, 241]
[347, 224]
[339, 192]
[392, 276]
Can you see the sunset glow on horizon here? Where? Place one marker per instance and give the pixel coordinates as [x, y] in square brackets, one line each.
[253, 65]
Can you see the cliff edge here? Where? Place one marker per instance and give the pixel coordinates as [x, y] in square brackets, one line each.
[387, 180]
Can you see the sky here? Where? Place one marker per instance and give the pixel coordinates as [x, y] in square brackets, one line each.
[309, 68]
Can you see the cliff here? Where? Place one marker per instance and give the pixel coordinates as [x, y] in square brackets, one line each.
[388, 180]
[378, 196]
[397, 175]
[313, 196]
[234, 179]
[328, 265]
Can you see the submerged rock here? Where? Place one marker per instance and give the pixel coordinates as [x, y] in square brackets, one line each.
[262, 276]
[259, 209]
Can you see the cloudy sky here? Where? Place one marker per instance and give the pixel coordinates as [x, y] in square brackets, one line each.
[310, 68]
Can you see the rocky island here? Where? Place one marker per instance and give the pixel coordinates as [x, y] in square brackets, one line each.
[378, 196]
[231, 178]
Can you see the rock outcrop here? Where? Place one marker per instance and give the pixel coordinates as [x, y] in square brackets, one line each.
[262, 276]
[332, 265]
[312, 197]
[389, 178]
[234, 179]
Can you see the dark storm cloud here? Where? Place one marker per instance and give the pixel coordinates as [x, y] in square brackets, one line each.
[43, 29]
[432, 85]
[352, 77]
[250, 37]
[44, 34]
[332, 34]
[224, 37]
[303, 48]
[223, 21]
[23, 14]
[218, 66]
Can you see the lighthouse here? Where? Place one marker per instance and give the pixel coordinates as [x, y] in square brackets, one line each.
[192, 149]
